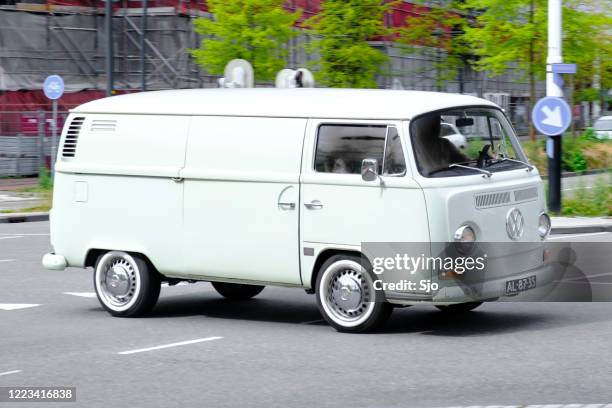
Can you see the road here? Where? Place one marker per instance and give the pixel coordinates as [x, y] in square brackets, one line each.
[275, 350]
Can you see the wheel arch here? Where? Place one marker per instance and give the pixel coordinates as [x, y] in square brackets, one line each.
[94, 253]
[323, 256]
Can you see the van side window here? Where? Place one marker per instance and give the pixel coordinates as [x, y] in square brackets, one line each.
[341, 148]
[394, 163]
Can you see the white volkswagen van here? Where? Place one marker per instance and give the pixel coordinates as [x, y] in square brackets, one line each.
[252, 187]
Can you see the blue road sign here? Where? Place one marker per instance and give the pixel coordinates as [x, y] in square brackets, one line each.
[563, 68]
[54, 87]
[551, 116]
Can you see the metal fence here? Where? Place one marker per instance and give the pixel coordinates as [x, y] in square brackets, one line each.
[26, 141]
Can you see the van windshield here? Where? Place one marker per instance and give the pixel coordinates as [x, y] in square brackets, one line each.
[460, 141]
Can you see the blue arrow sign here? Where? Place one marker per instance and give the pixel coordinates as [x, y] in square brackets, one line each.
[551, 116]
[54, 87]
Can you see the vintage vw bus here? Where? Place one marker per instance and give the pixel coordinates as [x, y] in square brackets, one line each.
[252, 187]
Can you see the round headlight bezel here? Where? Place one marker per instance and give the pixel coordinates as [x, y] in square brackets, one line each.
[465, 238]
[544, 225]
[465, 233]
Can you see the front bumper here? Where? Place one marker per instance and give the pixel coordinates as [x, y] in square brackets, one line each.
[54, 262]
[452, 292]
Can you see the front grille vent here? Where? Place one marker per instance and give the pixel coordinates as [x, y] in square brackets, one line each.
[492, 199]
[103, 125]
[72, 137]
[526, 194]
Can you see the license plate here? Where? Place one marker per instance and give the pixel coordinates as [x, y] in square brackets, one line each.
[516, 286]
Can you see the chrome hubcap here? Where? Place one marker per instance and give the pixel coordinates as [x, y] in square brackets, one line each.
[118, 281]
[348, 294]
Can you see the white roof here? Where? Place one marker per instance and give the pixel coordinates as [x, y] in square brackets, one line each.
[273, 102]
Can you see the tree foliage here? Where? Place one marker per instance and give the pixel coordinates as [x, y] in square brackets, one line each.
[513, 34]
[254, 30]
[436, 34]
[343, 29]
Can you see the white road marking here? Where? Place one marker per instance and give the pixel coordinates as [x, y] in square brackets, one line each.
[180, 343]
[16, 306]
[588, 234]
[7, 260]
[10, 372]
[167, 285]
[82, 294]
[18, 236]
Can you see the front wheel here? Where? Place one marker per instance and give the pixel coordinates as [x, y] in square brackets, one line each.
[125, 285]
[237, 291]
[459, 307]
[346, 297]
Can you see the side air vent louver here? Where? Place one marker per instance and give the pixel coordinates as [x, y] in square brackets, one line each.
[72, 137]
[103, 125]
[526, 194]
[492, 199]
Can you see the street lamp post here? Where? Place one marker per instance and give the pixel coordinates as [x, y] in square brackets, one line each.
[554, 87]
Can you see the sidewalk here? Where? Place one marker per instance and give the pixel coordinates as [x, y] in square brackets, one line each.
[580, 225]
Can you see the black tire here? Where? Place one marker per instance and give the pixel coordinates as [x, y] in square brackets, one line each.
[459, 308]
[237, 291]
[144, 281]
[375, 312]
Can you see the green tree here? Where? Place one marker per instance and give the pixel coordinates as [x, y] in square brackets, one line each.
[343, 29]
[435, 34]
[254, 30]
[513, 34]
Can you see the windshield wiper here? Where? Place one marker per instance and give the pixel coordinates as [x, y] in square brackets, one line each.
[485, 172]
[529, 166]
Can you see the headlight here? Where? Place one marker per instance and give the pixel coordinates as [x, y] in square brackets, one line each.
[465, 234]
[464, 240]
[544, 225]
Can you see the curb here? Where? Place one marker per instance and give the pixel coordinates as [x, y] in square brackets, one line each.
[24, 217]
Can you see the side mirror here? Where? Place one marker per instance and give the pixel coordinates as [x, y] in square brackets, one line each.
[369, 169]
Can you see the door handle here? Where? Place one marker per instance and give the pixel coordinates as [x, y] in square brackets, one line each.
[314, 205]
[177, 179]
[287, 206]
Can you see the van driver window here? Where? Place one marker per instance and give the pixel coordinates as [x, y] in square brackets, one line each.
[342, 148]
[465, 141]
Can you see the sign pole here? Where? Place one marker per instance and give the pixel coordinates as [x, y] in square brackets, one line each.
[53, 138]
[53, 89]
[554, 87]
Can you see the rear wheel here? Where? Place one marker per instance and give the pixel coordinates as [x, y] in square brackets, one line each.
[125, 285]
[346, 297]
[237, 291]
[459, 307]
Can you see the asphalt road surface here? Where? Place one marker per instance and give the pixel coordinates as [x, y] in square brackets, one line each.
[275, 350]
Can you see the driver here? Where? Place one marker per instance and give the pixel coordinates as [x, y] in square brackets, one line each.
[433, 151]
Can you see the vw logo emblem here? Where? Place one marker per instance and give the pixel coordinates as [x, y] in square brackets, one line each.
[514, 224]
